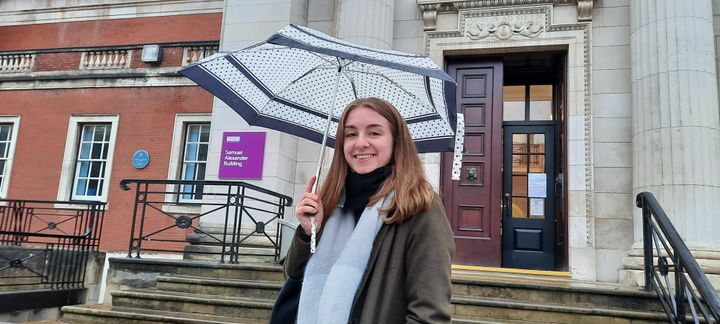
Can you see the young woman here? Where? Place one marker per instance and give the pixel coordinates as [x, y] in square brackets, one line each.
[385, 245]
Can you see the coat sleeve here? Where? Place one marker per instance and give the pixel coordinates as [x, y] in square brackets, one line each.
[297, 256]
[430, 250]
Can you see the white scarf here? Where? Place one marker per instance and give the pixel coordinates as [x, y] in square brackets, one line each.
[334, 272]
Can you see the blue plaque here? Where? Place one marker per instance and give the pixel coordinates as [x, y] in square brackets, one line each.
[140, 159]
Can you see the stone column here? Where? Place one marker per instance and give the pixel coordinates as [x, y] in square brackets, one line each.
[676, 128]
[366, 22]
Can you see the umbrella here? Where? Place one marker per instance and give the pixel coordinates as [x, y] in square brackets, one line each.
[300, 80]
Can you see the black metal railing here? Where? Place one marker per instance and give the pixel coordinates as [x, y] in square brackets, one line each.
[687, 296]
[167, 211]
[46, 244]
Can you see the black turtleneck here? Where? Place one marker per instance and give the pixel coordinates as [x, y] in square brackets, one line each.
[360, 187]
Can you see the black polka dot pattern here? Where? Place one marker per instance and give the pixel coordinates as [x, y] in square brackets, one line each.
[297, 86]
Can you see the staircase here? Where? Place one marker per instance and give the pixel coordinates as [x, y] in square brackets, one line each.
[496, 297]
[164, 291]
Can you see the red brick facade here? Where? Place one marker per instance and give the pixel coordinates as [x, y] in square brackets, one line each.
[112, 32]
[146, 114]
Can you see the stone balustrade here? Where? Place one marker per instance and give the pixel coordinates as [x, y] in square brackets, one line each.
[193, 54]
[13, 63]
[105, 60]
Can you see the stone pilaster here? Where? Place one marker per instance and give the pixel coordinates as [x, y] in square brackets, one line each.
[676, 128]
[366, 22]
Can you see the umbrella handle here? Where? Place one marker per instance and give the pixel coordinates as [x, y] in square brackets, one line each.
[313, 229]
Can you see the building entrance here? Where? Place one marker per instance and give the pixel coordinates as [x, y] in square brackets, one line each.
[507, 210]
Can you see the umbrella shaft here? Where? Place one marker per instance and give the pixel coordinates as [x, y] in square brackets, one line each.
[327, 130]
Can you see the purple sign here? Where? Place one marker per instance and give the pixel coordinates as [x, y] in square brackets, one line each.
[242, 155]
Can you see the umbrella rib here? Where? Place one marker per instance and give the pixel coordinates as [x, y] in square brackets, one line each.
[398, 86]
[352, 84]
[241, 67]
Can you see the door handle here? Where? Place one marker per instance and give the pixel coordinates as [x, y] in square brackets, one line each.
[506, 203]
[471, 174]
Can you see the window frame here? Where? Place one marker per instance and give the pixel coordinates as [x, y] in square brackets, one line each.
[175, 167]
[184, 162]
[15, 122]
[90, 160]
[72, 147]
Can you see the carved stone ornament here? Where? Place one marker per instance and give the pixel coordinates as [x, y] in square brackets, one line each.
[429, 16]
[430, 8]
[584, 9]
[505, 27]
[504, 30]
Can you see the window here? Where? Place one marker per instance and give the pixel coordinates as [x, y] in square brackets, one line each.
[8, 135]
[188, 160]
[195, 152]
[87, 162]
[91, 160]
[528, 102]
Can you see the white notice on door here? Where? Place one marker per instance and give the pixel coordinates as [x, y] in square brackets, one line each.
[537, 207]
[537, 185]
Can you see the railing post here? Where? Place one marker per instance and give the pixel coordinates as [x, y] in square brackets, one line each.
[679, 291]
[134, 220]
[647, 243]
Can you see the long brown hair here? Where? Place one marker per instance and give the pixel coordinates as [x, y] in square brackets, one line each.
[413, 192]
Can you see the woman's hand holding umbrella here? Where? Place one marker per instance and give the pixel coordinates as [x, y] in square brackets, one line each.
[310, 210]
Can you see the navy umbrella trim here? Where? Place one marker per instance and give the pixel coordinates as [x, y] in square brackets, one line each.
[285, 41]
[207, 81]
[232, 99]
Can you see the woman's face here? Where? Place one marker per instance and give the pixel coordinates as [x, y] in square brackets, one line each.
[368, 140]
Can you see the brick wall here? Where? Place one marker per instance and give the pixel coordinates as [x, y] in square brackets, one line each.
[146, 121]
[147, 114]
[112, 32]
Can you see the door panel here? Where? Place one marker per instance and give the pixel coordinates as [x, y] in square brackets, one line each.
[473, 203]
[529, 192]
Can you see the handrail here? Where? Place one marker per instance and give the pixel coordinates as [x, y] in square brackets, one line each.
[47, 243]
[162, 218]
[655, 220]
[125, 185]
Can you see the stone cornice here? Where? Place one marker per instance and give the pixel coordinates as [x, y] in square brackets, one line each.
[158, 77]
[430, 8]
[455, 5]
[56, 12]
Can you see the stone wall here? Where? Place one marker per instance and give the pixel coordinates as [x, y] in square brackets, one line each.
[612, 138]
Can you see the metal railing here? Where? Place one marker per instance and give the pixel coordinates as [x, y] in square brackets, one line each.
[167, 211]
[46, 244]
[689, 290]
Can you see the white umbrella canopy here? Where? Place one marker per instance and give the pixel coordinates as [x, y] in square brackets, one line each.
[300, 80]
[299, 75]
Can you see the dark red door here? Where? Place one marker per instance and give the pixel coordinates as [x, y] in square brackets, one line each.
[473, 203]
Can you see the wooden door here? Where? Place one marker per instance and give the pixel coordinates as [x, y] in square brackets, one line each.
[473, 203]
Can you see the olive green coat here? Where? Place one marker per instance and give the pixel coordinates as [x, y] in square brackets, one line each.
[407, 279]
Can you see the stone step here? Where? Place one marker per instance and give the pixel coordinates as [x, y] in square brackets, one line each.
[245, 239]
[565, 291]
[92, 314]
[193, 303]
[633, 273]
[221, 287]
[148, 269]
[507, 309]
[246, 254]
